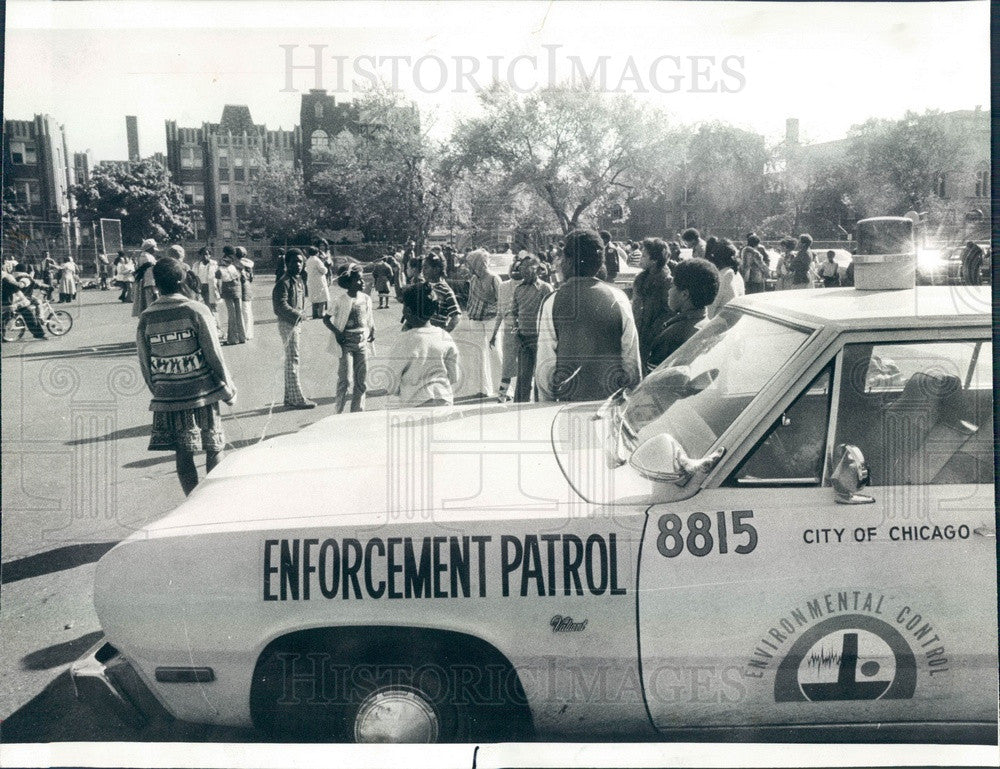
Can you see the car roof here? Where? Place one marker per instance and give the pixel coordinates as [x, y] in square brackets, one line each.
[850, 308]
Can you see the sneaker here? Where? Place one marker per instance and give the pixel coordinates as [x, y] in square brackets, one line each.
[503, 398]
[306, 405]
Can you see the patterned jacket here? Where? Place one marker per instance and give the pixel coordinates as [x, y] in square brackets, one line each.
[180, 355]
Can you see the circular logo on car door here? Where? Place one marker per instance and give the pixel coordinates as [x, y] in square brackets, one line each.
[851, 657]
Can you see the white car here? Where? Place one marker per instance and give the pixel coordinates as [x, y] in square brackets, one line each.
[700, 556]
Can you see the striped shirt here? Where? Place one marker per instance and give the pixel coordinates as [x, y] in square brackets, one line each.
[484, 294]
[528, 299]
[447, 304]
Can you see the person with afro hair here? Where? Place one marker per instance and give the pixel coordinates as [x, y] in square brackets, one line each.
[695, 286]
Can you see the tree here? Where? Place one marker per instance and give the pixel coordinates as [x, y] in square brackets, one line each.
[723, 174]
[572, 147]
[15, 234]
[383, 178]
[278, 207]
[896, 162]
[141, 195]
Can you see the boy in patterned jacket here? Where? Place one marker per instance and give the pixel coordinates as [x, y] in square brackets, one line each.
[181, 361]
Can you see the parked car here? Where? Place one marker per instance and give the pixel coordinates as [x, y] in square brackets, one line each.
[943, 266]
[786, 531]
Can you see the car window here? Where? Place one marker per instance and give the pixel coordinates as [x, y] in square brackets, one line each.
[921, 413]
[791, 452]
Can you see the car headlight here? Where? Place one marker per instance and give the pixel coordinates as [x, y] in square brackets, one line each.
[928, 260]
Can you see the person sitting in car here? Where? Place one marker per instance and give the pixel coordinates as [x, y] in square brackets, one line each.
[695, 285]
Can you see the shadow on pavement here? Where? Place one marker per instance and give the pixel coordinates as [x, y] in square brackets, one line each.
[60, 654]
[118, 349]
[166, 457]
[59, 559]
[55, 715]
[127, 432]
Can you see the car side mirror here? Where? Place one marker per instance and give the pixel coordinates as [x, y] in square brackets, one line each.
[850, 474]
[663, 459]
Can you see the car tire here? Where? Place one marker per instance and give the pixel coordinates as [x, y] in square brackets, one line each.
[384, 695]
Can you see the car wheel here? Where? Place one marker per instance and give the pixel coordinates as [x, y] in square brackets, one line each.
[385, 695]
[414, 707]
[59, 323]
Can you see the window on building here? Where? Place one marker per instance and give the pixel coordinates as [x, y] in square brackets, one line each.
[318, 110]
[23, 153]
[320, 140]
[189, 194]
[226, 210]
[224, 193]
[223, 158]
[983, 184]
[28, 193]
[939, 185]
[241, 211]
[224, 174]
[238, 175]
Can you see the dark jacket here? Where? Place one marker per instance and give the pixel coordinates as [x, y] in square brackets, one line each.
[672, 334]
[588, 346]
[649, 306]
[288, 299]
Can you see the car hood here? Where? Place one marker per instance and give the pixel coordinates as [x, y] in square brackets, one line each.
[380, 467]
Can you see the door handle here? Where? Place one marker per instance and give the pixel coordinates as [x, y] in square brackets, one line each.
[985, 531]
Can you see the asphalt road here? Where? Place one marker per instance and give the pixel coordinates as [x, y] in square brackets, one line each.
[77, 478]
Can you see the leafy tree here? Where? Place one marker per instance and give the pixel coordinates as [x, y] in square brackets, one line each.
[278, 207]
[141, 195]
[383, 180]
[723, 173]
[15, 233]
[896, 162]
[811, 198]
[573, 148]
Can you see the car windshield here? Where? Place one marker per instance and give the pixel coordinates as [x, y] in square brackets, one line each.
[696, 393]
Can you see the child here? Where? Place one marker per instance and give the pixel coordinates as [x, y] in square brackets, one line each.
[382, 273]
[353, 325]
[828, 271]
[424, 360]
[181, 361]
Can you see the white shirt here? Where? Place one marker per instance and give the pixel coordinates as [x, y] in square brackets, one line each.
[316, 280]
[206, 276]
[341, 310]
[730, 286]
[424, 366]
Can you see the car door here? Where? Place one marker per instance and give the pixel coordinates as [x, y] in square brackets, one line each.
[765, 602]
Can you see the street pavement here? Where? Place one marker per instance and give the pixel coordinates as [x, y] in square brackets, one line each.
[77, 478]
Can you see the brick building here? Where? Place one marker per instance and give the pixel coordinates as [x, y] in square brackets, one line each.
[39, 170]
[214, 163]
[321, 120]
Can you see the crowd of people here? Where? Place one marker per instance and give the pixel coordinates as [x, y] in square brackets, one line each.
[555, 325]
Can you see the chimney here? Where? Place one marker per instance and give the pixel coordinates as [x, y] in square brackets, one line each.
[792, 130]
[132, 135]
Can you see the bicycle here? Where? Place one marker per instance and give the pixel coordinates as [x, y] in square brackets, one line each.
[55, 322]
